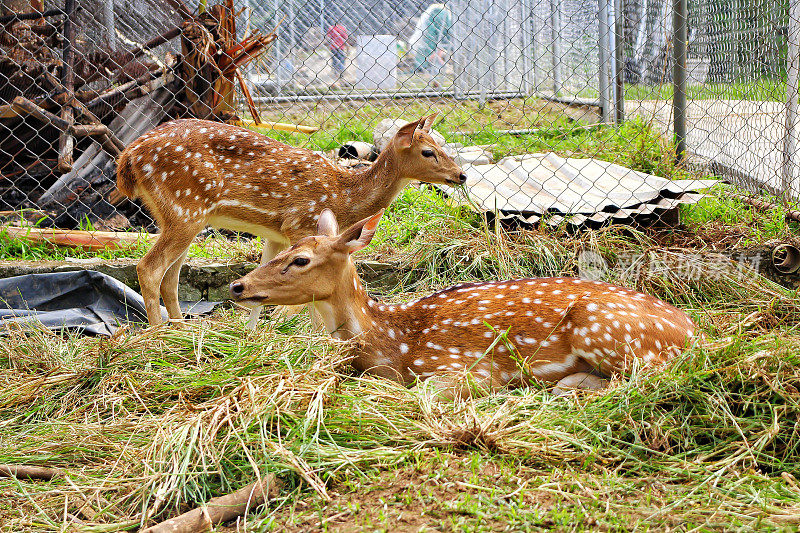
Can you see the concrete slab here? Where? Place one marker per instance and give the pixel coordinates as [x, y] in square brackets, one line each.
[199, 280]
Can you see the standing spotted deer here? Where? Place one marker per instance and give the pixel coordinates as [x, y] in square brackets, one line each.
[194, 173]
[564, 330]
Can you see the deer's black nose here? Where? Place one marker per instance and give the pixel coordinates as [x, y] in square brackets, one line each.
[236, 289]
[462, 178]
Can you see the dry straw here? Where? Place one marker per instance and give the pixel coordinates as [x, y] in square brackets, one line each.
[148, 424]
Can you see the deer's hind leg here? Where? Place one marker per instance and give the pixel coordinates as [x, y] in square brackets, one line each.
[169, 287]
[152, 269]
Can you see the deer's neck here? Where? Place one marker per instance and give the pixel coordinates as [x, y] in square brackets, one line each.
[382, 331]
[373, 188]
[346, 313]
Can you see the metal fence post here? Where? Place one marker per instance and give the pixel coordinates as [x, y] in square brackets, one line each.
[619, 62]
[555, 24]
[483, 53]
[292, 45]
[525, 27]
[278, 73]
[109, 23]
[679, 16]
[66, 142]
[539, 48]
[792, 93]
[604, 38]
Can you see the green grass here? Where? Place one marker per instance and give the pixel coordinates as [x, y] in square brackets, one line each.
[341, 123]
[761, 89]
[216, 247]
[723, 212]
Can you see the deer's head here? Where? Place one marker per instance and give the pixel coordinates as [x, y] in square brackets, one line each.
[421, 158]
[311, 269]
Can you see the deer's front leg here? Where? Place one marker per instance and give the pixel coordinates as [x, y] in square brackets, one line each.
[270, 250]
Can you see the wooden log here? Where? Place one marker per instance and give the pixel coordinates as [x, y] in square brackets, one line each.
[93, 130]
[8, 111]
[30, 16]
[107, 140]
[128, 91]
[86, 240]
[66, 142]
[24, 106]
[29, 472]
[139, 116]
[220, 510]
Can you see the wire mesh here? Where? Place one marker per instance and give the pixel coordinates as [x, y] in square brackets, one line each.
[512, 81]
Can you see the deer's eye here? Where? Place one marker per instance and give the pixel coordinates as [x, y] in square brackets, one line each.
[300, 261]
[427, 153]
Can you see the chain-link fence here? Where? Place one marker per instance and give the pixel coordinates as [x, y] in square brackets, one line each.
[563, 111]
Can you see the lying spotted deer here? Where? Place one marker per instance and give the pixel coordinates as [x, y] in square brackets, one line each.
[195, 173]
[566, 330]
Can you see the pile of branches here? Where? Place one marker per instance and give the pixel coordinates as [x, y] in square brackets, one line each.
[67, 111]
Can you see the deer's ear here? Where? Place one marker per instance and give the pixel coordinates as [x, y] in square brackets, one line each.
[327, 225]
[359, 234]
[405, 135]
[427, 122]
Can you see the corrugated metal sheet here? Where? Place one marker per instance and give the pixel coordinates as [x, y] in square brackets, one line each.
[577, 191]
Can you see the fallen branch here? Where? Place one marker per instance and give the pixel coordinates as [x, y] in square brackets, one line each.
[22, 106]
[248, 98]
[31, 16]
[87, 240]
[29, 472]
[107, 139]
[129, 91]
[766, 206]
[220, 510]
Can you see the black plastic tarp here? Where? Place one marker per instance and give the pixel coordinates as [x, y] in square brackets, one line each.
[85, 301]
